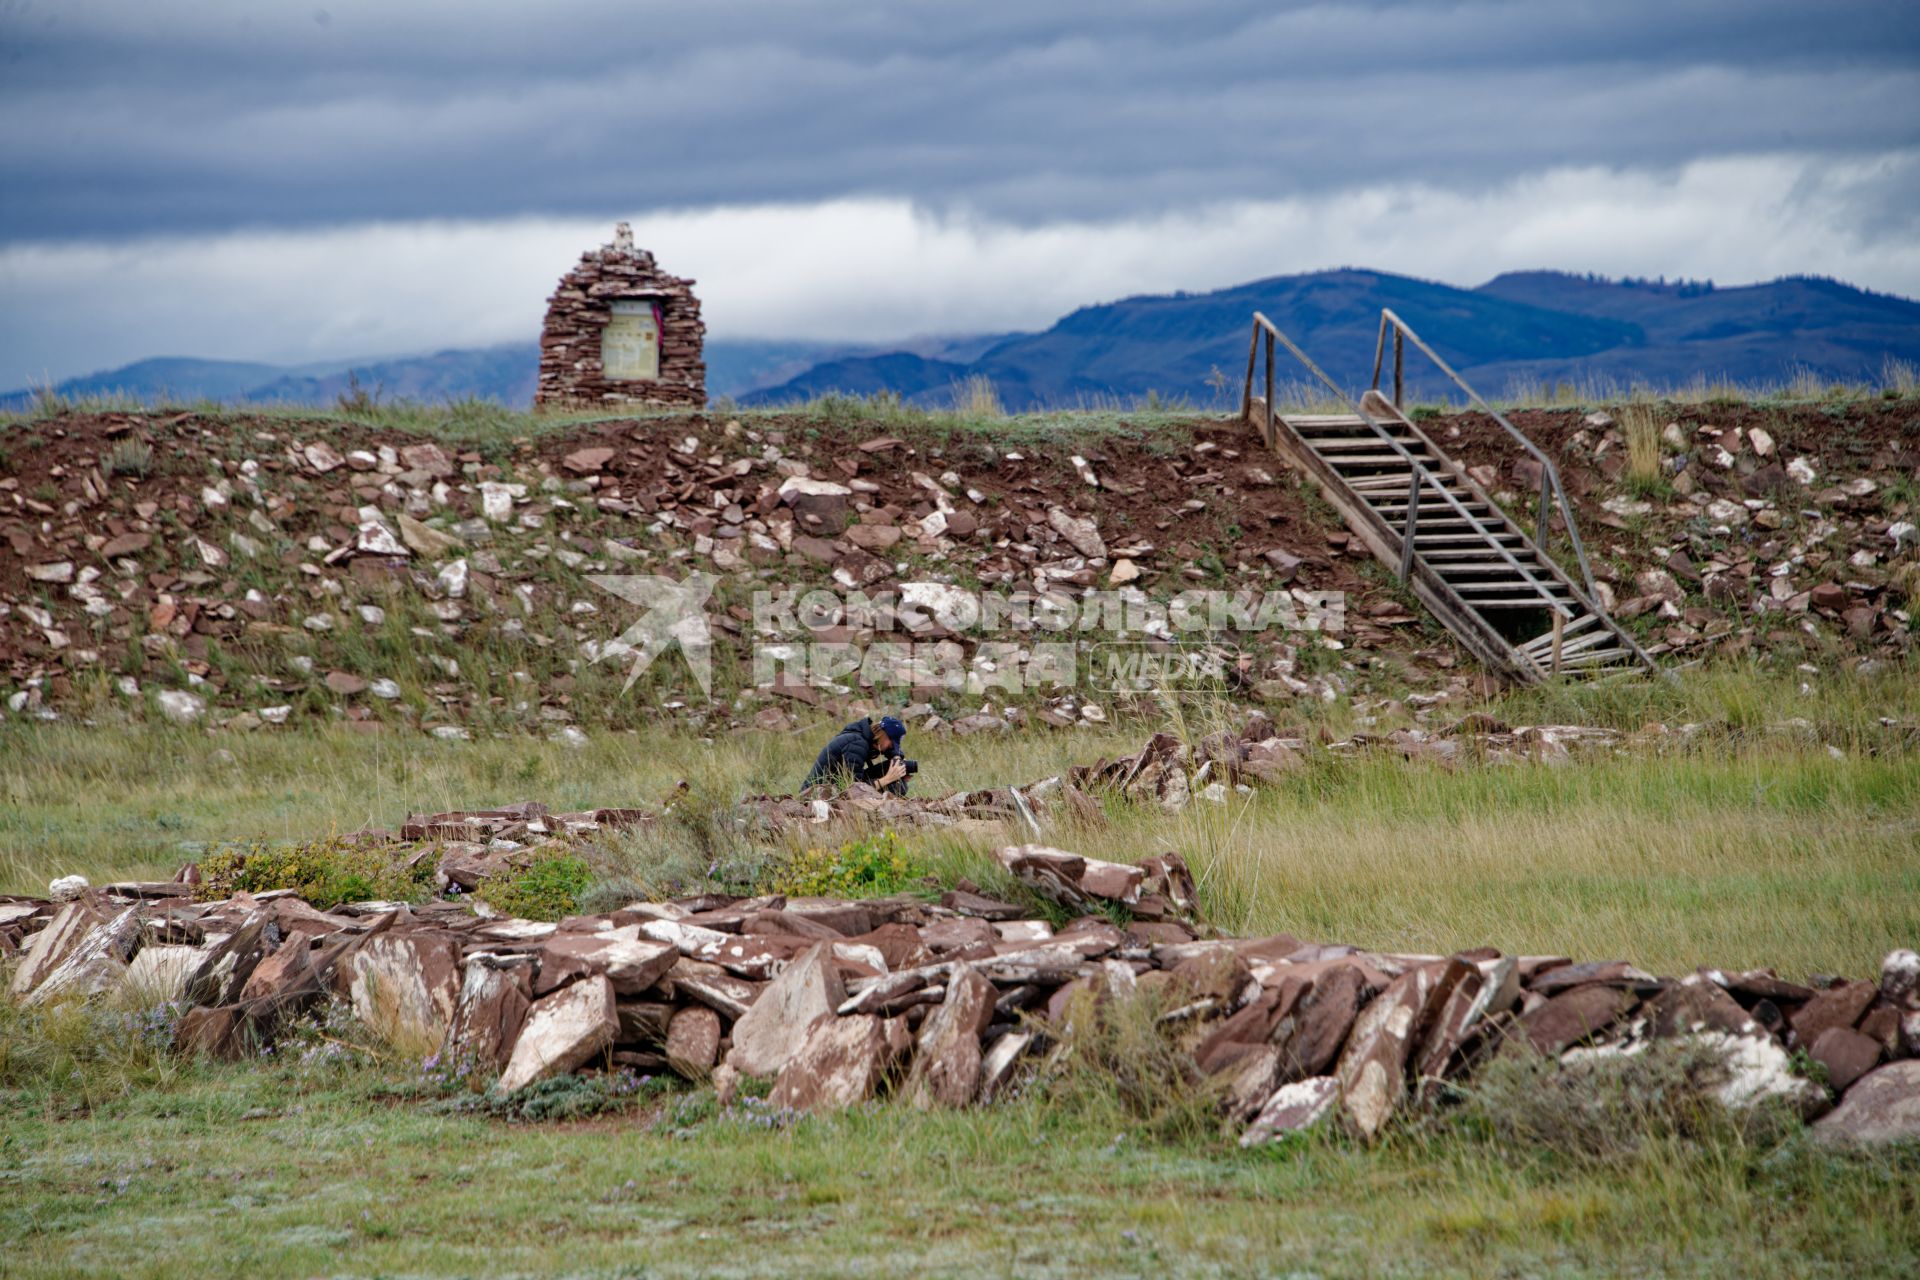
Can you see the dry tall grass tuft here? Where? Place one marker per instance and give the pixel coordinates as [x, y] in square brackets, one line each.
[1645, 459]
[1901, 377]
[975, 397]
[1119, 1061]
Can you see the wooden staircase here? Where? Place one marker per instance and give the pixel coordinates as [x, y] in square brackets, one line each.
[1490, 584]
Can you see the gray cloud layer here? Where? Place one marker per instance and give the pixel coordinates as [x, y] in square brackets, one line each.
[123, 117]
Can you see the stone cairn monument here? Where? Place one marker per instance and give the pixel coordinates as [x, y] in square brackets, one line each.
[621, 331]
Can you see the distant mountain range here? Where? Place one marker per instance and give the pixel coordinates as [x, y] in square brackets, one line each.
[506, 373]
[1525, 329]
[1521, 330]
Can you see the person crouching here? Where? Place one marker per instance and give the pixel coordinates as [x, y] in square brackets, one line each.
[863, 752]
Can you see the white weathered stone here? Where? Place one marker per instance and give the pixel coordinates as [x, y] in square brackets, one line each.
[801, 487]
[1883, 1106]
[159, 973]
[453, 578]
[424, 539]
[563, 1031]
[496, 498]
[996, 1067]
[322, 458]
[404, 986]
[375, 539]
[67, 888]
[1621, 505]
[1293, 1107]
[95, 964]
[774, 1028]
[1081, 533]
[180, 706]
[687, 939]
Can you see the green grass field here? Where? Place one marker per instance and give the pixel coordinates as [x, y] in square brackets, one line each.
[1783, 832]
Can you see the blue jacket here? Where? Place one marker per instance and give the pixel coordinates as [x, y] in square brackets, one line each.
[852, 757]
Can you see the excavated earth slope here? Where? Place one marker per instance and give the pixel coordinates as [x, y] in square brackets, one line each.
[249, 571]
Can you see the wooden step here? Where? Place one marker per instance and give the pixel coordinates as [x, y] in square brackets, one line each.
[1298, 421]
[1347, 444]
[1585, 644]
[1342, 460]
[1442, 515]
[1424, 538]
[1476, 592]
[1597, 658]
[1429, 497]
[1543, 643]
[1392, 485]
[1456, 568]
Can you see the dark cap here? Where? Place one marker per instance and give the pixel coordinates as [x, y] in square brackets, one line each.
[891, 726]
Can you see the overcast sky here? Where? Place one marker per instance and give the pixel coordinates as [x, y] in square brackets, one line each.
[250, 180]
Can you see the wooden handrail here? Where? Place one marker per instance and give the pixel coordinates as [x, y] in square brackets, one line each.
[1421, 477]
[1552, 492]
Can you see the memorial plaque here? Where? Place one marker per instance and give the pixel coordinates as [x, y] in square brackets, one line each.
[630, 343]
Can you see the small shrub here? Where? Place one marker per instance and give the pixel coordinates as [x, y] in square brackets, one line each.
[550, 887]
[323, 872]
[869, 867]
[561, 1098]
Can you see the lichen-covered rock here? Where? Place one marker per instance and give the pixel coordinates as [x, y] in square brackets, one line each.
[47, 948]
[405, 985]
[563, 1032]
[1293, 1108]
[95, 964]
[1373, 1069]
[492, 1008]
[946, 1065]
[841, 1062]
[1883, 1106]
[693, 1042]
[768, 1034]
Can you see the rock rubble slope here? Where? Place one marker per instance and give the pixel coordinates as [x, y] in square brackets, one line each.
[246, 573]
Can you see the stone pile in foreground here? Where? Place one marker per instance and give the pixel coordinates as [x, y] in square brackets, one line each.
[944, 1003]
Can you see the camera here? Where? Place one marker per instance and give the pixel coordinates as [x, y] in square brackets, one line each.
[913, 766]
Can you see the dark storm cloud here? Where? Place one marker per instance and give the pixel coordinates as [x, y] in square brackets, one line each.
[135, 117]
